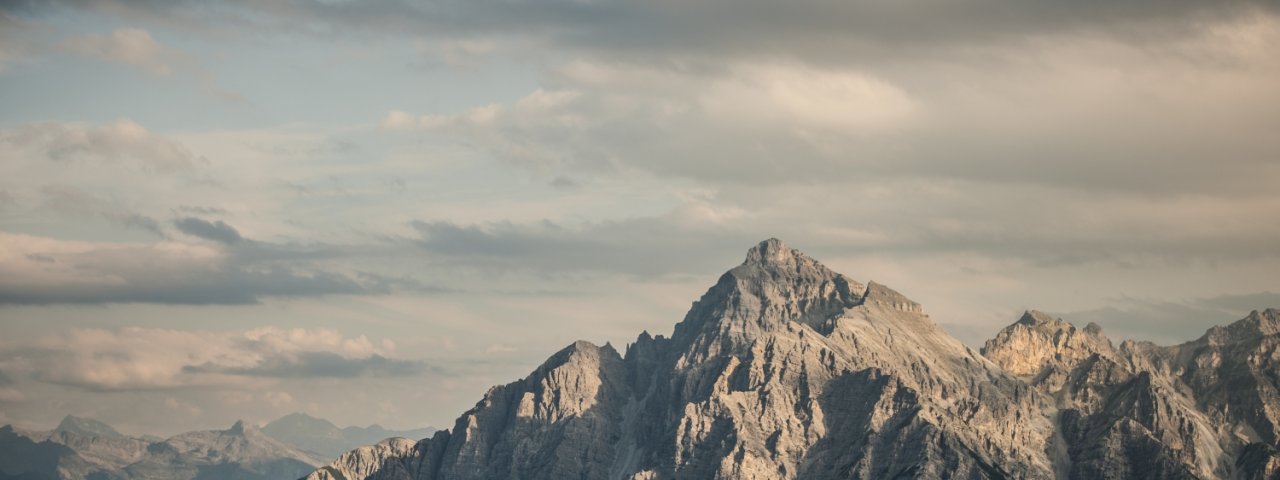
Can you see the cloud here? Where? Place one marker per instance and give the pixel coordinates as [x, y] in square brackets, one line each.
[217, 231]
[201, 210]
[123, 142]
[318, 365]
[1171, 322]
[1072, 110]
[15, 44]
[564, 183]
[42, 271]
[147, 358]
[136, 48]
[855, 30]
[74, 201]
[672, 244]
[130, 46]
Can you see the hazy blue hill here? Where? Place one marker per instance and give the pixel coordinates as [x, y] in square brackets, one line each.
[86, 427]
[323, 437]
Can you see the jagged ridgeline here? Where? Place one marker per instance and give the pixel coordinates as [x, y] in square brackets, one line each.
[786, 369]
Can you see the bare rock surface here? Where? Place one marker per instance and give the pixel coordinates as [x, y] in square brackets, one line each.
[1203, 409]
[783, 369]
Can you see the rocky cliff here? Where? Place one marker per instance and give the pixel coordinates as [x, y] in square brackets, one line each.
[785, 369]
[1203, 409]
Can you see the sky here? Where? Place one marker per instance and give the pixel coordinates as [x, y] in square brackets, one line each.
[373, 211]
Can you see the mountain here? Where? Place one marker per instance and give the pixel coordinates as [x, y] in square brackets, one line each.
[25, 457]
[325, 438]
[785, 369]
[87, 427]
[1209, 408]
[86, 449]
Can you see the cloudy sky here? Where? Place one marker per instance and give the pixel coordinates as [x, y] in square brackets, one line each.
[373, 211]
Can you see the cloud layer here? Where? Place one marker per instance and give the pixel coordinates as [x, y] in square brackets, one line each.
[486, 181]
[149, 358]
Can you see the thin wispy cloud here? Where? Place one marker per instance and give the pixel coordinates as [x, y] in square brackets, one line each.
[147, 359]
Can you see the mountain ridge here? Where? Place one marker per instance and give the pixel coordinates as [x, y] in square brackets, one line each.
[750, 385]
[323, 437]
[83, 448]
[786, 369]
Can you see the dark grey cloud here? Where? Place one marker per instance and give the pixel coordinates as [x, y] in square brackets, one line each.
[35, 257]
[400, 283]
[217, 231]
[563, 182]
[242, 271]
[319, 365]
[854, 29]
[644, 247]
[1042, 229]
[233, 285]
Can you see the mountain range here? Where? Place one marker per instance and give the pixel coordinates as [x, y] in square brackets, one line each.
[86, 449]
[322, 437]
[785, 369]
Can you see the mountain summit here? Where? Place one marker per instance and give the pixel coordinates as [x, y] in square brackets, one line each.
[785, 369]
[86, 427]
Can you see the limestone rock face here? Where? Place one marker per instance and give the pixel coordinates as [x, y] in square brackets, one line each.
[1203, 409]
[1037, 342]
[785, 369]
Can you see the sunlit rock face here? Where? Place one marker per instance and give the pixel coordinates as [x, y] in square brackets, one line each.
[1203, 409]
[785, 369]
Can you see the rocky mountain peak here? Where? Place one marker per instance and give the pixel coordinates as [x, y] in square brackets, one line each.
[775, 285]
[1036, 318]
[774, 252]
[773, 260]
[1038, 341]
[785, 369]
[239, 428]
[1256, 325]
[87, 427]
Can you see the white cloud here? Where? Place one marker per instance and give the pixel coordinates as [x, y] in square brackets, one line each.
[499, 348]
[136, 48]
[130, 46]
[278, 399]
[123, 142]
[1082, 110]
[456, 52]
[183, 408]
[805, 98]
